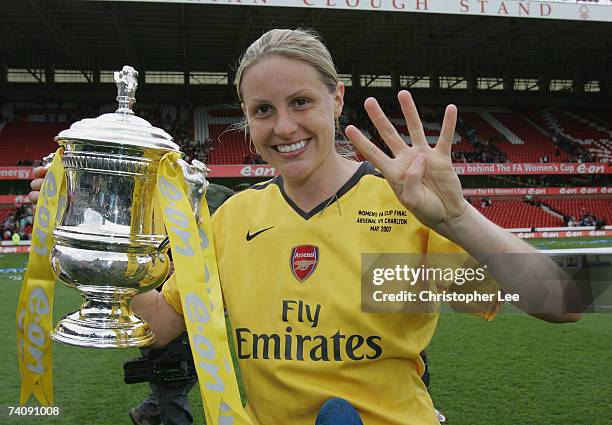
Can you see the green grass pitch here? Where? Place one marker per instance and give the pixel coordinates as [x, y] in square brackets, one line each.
[512, 370]
[568, 243]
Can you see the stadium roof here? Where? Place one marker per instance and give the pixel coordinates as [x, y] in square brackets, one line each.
[94, 35]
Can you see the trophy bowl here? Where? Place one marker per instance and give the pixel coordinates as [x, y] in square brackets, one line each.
[109, 244]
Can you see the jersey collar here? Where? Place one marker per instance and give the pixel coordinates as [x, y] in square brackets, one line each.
[364, 169]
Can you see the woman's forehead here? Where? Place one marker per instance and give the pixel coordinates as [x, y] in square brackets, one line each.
[279, 76]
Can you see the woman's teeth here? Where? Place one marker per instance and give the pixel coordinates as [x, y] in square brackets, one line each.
[291, 148]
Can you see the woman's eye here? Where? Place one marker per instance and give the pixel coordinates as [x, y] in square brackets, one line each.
[301, 102]
[263, 110]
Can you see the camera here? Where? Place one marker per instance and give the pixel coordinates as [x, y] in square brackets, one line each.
[170, 364]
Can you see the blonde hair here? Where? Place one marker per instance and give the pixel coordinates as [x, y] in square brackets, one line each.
[300, 44]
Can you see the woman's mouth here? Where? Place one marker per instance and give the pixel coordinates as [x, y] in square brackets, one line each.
[292, 148]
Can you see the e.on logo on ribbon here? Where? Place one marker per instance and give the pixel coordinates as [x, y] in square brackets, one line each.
[304, 259]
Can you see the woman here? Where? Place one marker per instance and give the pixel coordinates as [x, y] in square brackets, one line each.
[289, 250]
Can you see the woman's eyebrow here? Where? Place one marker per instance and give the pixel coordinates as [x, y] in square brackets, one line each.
[296, 93]
[289, 97]
[257, 100]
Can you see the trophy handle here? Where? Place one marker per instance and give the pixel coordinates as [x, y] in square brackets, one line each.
[47, 160]
[195, 176]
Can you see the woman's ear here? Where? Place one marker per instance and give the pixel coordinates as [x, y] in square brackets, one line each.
[338, 99]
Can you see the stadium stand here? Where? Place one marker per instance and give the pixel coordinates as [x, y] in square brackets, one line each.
[600, 208]
[599, 115]
[590, 136]
[27, 141]
[16, 220]
[483, 128]
[534, 147]
[518, 214]
[483, 136]
[505, 131]
[4, 213]
[575, 126]
[230, 146]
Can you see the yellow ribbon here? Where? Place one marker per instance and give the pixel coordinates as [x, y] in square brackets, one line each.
[35, 307]
[200, 291]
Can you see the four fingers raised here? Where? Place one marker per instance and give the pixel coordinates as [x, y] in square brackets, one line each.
[390, 135]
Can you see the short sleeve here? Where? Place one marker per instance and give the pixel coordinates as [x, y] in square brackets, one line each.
[171, 294]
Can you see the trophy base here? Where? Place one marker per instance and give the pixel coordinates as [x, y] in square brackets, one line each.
[104, 320]
[74, 330]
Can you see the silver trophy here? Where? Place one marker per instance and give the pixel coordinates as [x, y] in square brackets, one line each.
[109, 244]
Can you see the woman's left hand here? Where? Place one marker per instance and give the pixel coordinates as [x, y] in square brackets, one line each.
[422, 177]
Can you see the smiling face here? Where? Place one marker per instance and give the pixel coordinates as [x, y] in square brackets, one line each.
[291, 115]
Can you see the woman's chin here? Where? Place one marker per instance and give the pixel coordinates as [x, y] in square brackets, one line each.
[294, 171]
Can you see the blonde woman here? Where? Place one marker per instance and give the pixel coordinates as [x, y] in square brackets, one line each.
[289, 249]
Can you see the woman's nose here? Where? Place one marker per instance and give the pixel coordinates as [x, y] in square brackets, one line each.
[285, 125]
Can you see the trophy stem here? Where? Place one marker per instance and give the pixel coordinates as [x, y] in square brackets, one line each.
[105, 320]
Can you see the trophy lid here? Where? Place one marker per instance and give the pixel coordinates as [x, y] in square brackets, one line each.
[121, 127]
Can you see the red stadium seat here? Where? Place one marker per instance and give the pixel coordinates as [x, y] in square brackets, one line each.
[601, 208]
[518, 214]
[28, 141]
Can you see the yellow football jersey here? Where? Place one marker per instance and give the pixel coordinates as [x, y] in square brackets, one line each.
[292, 287]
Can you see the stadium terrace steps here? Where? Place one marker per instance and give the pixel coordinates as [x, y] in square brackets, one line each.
[580, 129]
[431, 129]
[587, 133]
[539, 117]
[28, 141]
[537, 144]
[581, 125]
[538, 126]
[603, 150]
[505, 131]
[483, 128]
[200, 123]
[552, 122]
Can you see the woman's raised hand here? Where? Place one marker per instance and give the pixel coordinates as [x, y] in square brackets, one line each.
[422, 177]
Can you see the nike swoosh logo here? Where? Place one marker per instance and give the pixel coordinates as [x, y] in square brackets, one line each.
[250, 235]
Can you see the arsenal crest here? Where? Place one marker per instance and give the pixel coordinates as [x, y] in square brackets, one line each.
[304, 259]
